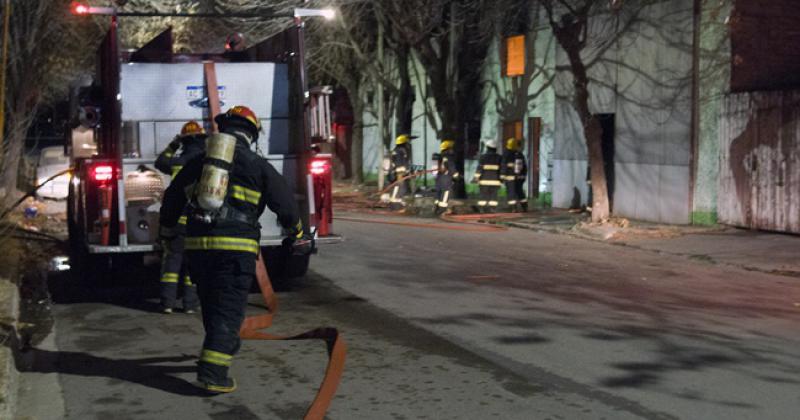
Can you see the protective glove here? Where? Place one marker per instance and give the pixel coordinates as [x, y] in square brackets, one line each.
[293, 234]
[304, 246]
[175, 144]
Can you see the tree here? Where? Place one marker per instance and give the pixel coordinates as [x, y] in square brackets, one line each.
[337, 53]
[47, 50]
[450, 38]
[513, 95]
[347, 53]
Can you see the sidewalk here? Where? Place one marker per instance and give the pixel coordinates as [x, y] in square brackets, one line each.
[767, 252]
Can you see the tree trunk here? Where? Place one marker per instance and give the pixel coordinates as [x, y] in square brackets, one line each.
[593, 134]
[11, 160]
[357, 146]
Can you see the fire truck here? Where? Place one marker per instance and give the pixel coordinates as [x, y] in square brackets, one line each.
[135, 105]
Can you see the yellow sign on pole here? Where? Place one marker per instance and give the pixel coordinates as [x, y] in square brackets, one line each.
[515, 55]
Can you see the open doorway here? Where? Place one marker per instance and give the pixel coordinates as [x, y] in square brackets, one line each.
[608, 129]
[534, 137]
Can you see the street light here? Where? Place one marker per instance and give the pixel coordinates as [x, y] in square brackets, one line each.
[84, 9]
[327, 13]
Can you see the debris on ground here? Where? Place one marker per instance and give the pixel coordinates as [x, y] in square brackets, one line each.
[622, 229]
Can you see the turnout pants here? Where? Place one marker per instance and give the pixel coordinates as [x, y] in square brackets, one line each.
[488, 197]
[444, 192]
[223, 282]
[172, 267]
[516, 194]
[400, 190]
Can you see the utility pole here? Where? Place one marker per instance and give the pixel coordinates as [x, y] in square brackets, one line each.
[381, 108]
[6, 25]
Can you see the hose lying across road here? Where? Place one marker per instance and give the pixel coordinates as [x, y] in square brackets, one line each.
[337, 350]
[459, 222]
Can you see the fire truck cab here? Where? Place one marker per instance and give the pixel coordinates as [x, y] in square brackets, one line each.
[137, 103]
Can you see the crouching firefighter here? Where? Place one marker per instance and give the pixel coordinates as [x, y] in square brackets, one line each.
[189, 144]
[227, 189]
[488, 177]
[446, 175]
[401, 168]
[515, 171]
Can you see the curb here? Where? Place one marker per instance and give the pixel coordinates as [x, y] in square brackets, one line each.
[9, 314]
[568, 231]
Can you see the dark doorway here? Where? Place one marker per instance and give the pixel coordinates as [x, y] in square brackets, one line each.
[607, 125]
[534, 136]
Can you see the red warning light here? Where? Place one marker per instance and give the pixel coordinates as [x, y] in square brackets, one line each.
[319, 167]
[79, 9]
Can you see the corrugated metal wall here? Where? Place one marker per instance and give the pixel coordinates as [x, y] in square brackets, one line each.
[760, 161]
[645, 80]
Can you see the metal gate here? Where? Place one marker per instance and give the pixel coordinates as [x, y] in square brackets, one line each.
[759, 179]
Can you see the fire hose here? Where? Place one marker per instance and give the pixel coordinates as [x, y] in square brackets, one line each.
[460, 222]
[403, 179]
[252, 330]
[32, 192]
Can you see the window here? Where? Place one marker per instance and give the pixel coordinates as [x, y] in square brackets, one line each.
[514, 57]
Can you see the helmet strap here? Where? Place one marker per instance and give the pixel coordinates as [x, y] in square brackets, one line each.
[243, 133]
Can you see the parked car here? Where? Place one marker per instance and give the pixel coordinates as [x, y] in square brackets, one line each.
[52, 161]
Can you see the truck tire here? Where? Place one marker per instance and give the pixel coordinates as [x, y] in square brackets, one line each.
[283, 268]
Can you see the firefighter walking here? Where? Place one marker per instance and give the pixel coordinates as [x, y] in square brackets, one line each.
[233, 186]
[515, 170]
[487, 177]
[189, 144]
[446, 176]
[401, 167]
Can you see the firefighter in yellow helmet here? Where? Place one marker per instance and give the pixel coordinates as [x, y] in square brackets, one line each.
[222, 243]
[187, 145]
[514, 171]
[446, 176]
[487, 176]
[401, 168]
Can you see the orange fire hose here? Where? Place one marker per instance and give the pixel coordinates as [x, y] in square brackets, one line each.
[337, 350]
[403, 179]
[464, 223]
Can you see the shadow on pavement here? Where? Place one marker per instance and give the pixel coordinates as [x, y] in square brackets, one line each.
[147, 371]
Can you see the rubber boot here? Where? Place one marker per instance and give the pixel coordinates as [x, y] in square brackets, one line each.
[214, 379]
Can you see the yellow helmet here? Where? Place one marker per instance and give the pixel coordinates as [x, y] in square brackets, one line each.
[446, 145]
[192, 128]
[401, 139]
[242, 117]
[512, 144]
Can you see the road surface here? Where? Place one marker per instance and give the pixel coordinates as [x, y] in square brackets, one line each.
[445, 324]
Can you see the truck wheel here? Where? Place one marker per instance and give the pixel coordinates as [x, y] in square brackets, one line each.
[283, 268]
[297, 266]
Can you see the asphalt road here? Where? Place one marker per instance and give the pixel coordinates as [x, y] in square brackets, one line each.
[447, 324]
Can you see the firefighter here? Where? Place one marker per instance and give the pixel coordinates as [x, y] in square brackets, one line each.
[189, 144]
[222, 245]
[514, 171]
[446, 175]
[487, 177]
[401, 167]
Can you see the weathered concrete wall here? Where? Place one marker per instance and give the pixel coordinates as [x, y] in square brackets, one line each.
[643, 76]
[714, 82]
[760, 161]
